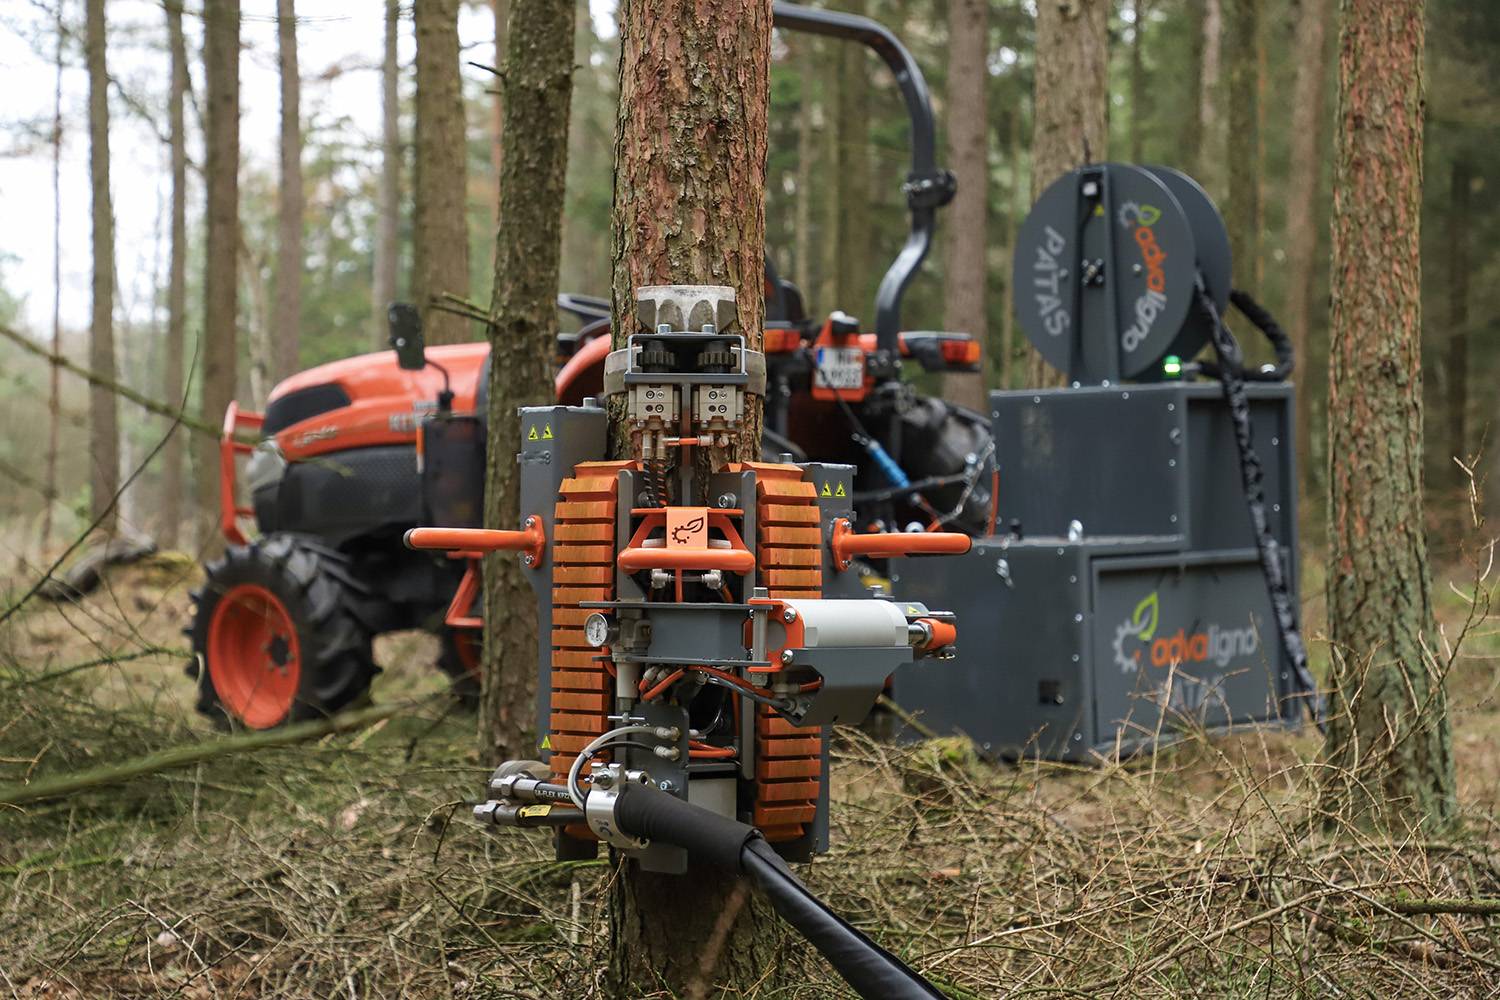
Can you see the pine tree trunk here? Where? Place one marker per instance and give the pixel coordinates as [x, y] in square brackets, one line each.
[1010, 220]
[104, 417]
[221, 31]
[1139, 94]
[1190, 129]
[832, 188]
[968, 157]
[689, 208]
[387, 227]
[1460, 184]
[807, 72]
[1303, 183]
[500, 14]
[440, 250]
[172, 386]
[851, 241]
[538, 85]
[287, 322]
[1243, 215]
[1210, 150]
[54, 373]
[1071, 110]
[1388, 741]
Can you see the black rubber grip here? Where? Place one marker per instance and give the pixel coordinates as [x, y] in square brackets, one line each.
[647, 811]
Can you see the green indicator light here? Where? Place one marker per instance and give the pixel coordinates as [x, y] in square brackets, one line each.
[1171, 366]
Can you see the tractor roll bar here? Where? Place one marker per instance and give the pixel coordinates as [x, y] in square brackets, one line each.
[928, 187]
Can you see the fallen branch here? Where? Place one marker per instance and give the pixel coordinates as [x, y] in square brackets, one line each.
[1477, 906]
[64, 785]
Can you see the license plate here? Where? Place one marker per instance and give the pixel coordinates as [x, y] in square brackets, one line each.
[840, 368]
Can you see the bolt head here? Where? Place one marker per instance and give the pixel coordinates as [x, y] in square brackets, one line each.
[787, 656]
[789, 615]
[727, 500]
[530, 560]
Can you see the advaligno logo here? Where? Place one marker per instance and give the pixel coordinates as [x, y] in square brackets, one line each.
[1136, 636]
[1140, 218]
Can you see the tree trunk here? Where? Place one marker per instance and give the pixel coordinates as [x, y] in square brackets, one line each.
[1071, 107]
[1243, 215]
[968, 156]
[1388, 740]
[104, 416]
[1460, 186]
[1010, 221]
[440, 251]
[832, 187]
[1210, 150]
[221, 43]
[500, 14]
[1190, 129]
[172, 452]
[538, 85]
[689, 207]
[1139, 94]
[387, 228]
[807, 72]
[287, 322]
[1303, 185]
[852, 235]
[54, 380]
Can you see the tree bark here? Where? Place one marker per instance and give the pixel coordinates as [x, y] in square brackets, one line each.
[287, 322]
[1241, 30]
[852, 234]
[387, 227]
[440, 251]
[1460, 186]
[807, 72]
[1303, 184]
[968, 156]
[689, 207]
[1210, 150]
[172, 451]
[1190, 129]
[1071, 107]
[1388, 742]
[54, 375]
[500, 14]
[538, 86]
[1010, 221]
[104, 416]
[1140, 96]
[221, 30]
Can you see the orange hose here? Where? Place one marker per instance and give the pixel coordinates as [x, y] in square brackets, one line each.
[661, 686]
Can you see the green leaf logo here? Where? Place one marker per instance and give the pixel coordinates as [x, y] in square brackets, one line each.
[1147, 614]
[1148, 215]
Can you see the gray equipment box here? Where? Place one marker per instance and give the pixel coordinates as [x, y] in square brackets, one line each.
[1121, 601]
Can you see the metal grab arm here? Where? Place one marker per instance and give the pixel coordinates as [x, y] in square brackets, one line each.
[846, 543]
[633, 560]
[531, 540]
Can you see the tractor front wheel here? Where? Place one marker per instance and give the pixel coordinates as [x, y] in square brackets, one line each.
[276, 636]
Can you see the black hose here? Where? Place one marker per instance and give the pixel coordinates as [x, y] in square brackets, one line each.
[646, 811]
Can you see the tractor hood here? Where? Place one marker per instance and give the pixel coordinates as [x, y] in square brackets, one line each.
[368, 400]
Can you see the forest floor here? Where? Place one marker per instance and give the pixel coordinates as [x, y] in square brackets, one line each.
[347, 867]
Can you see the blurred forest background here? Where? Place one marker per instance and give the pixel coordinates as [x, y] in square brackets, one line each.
[1214, 87]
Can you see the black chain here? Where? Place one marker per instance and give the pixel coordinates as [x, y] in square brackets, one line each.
[1232, 376]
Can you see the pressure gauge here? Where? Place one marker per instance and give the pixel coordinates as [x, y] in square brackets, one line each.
[599, 630]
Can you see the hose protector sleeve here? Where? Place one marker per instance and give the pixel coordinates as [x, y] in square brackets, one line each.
[647, 811]
[870, 969]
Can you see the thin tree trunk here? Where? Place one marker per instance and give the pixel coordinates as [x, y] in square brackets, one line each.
[440, 251]
[832, 189]
[852, 165]
[1460, 186]
[1210, 150]
[1071, 107]
[1303, 263]
[1190, 129]
[807, 72]
[1389, 743]
[221, 30]
[689, 208]
[104, 416]
[172, 452]
[538, 86]
[968, 155]
[1011, 220]
[388, 225]
[54, 375]
[287, 322]
[500, 13]
[1243, 215]
[1139, 94]
[259, 334]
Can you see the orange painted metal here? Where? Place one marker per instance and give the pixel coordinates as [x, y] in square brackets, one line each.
[231, 445]
[733, 560]
[847, 543]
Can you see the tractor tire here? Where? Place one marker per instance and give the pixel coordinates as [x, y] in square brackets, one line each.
[459, 660]
[277, 634]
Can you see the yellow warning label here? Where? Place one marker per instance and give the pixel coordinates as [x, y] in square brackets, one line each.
[547, 433]
[539, 810]
[546, 742]
[532, 436]
[840, 491]
[912, 609]
[1098, 209]
[826, 491]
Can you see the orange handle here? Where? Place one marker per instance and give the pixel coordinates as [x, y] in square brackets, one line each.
[530, 540]
[633, 560]
[847, 544]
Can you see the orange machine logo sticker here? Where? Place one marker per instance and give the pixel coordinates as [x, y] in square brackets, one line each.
[687, 527]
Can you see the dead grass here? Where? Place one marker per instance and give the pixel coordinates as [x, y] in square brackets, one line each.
[348, 869]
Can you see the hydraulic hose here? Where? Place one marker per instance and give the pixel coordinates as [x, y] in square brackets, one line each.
[646, 811]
